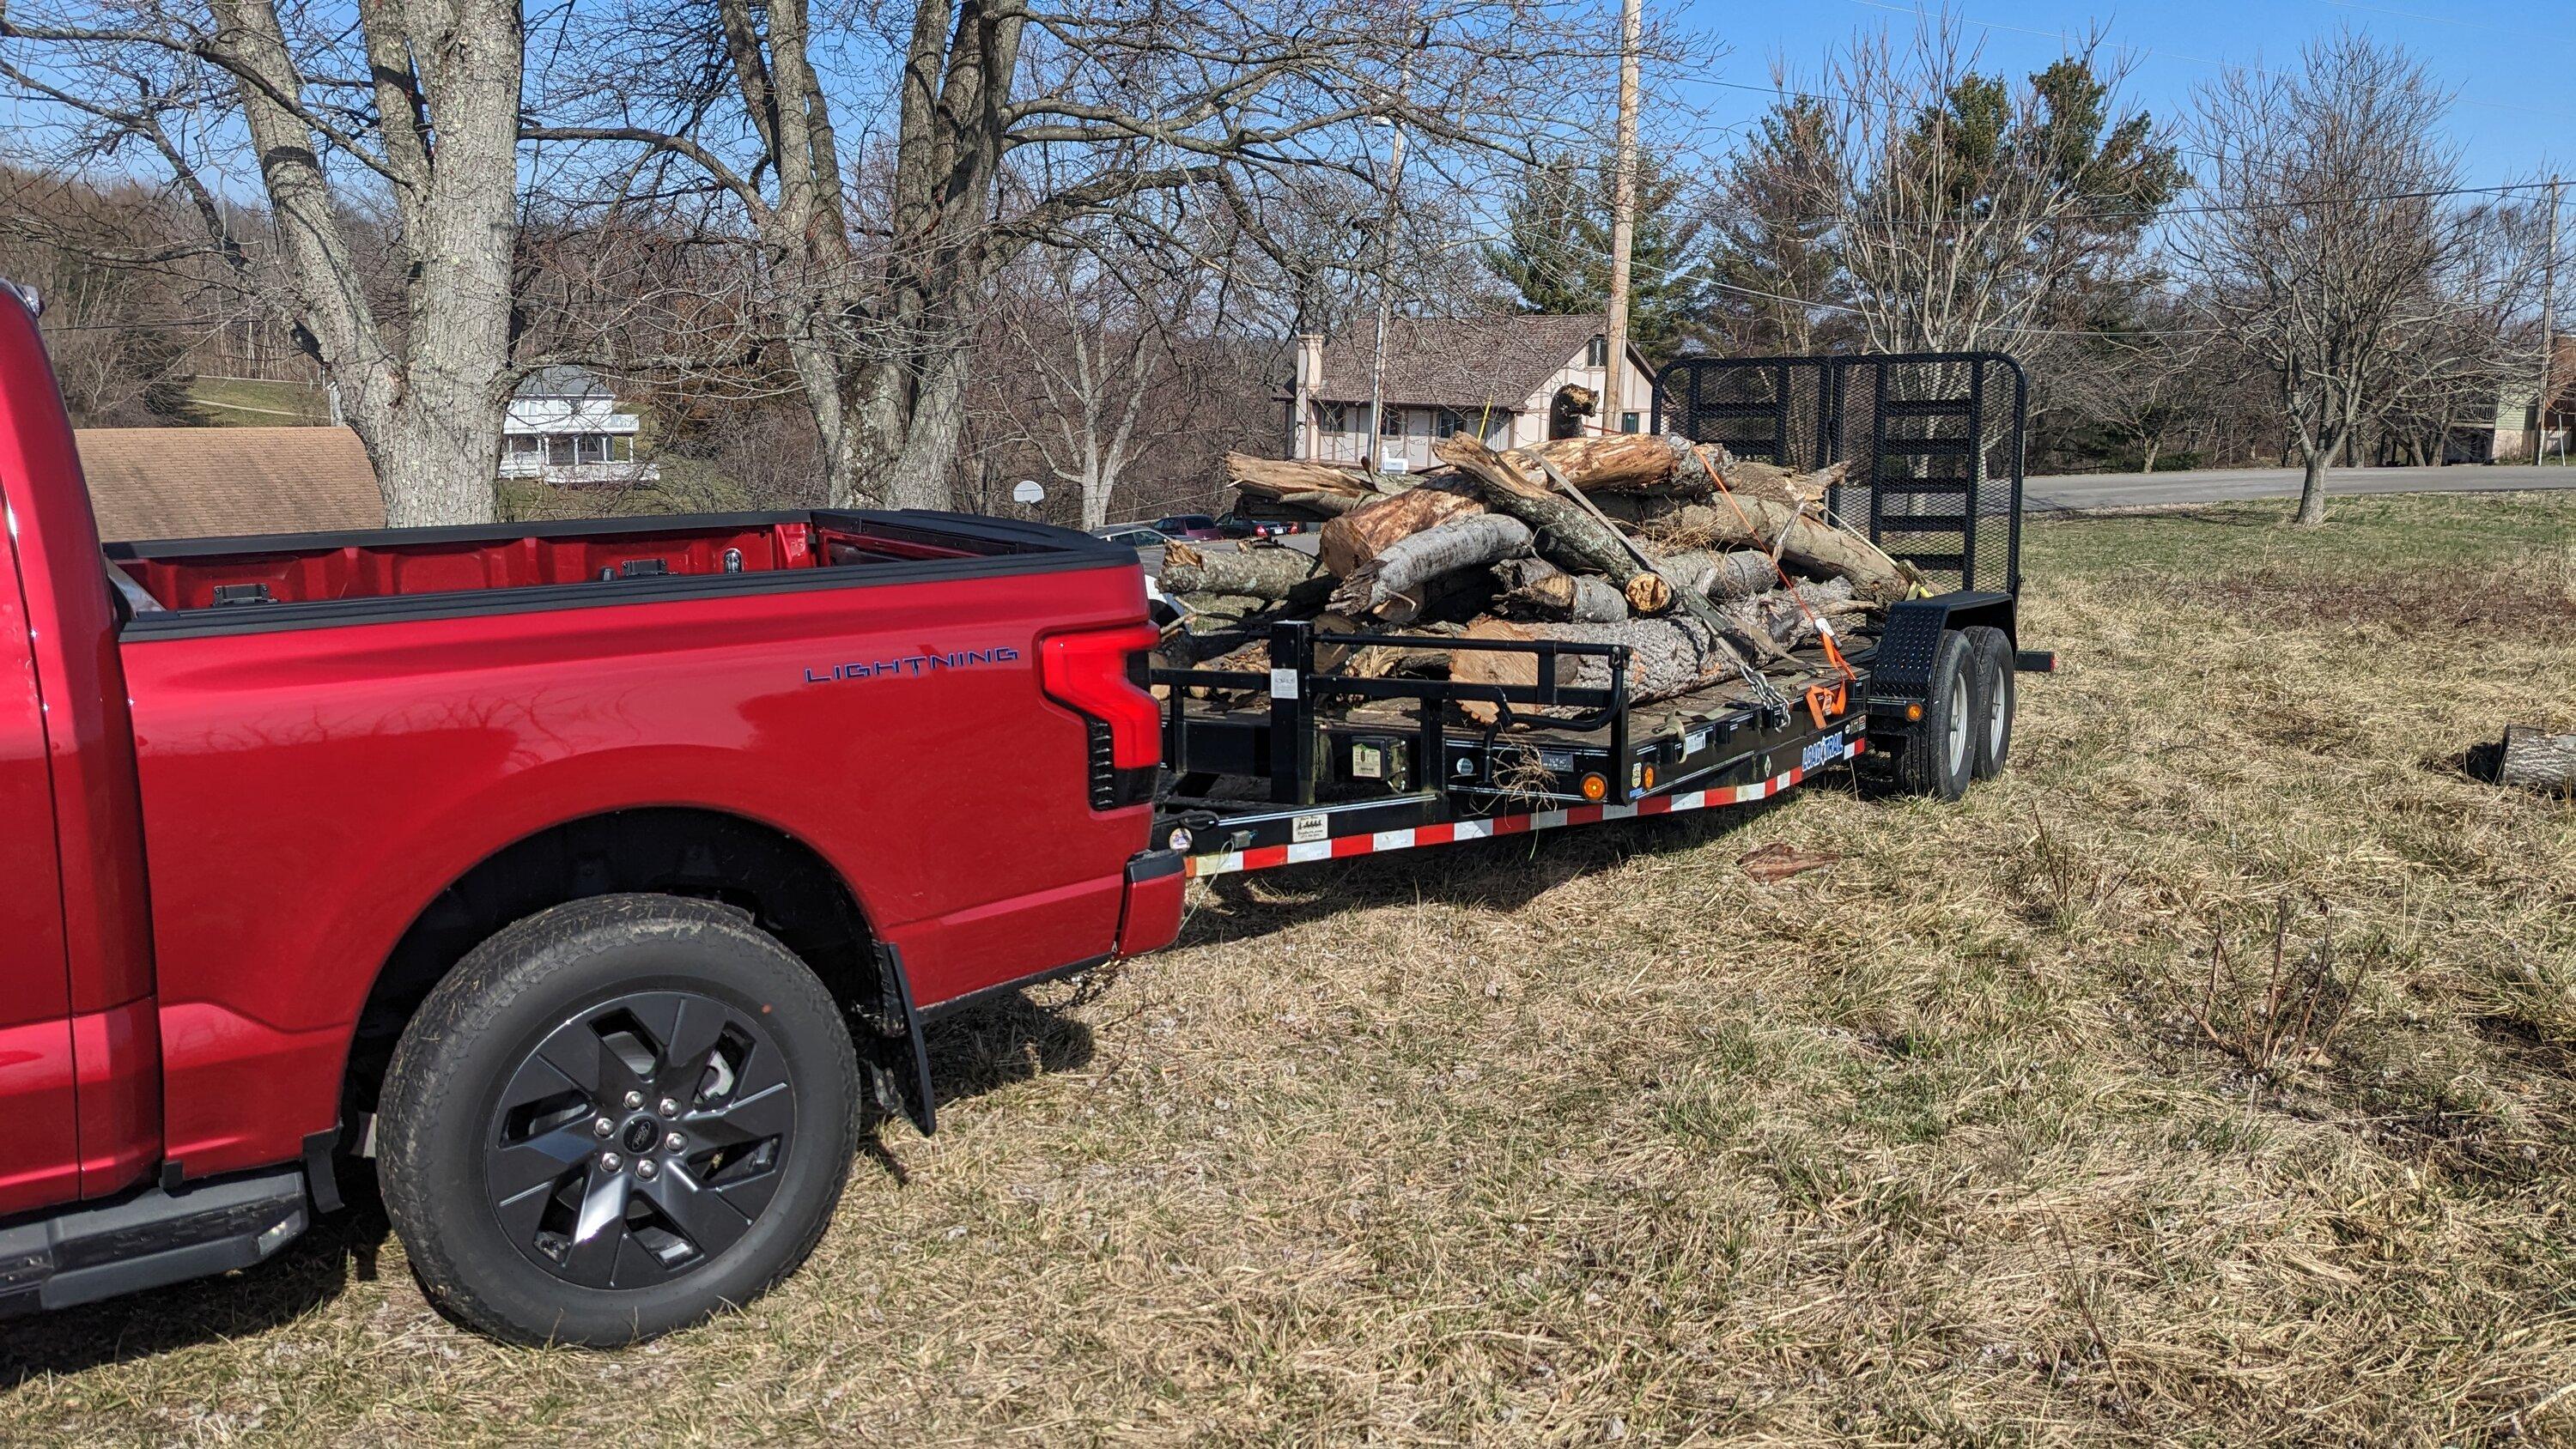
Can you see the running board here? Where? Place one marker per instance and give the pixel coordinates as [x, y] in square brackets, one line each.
[149, 1239]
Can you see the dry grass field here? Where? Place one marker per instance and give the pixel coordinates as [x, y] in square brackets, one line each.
[1587, 1137]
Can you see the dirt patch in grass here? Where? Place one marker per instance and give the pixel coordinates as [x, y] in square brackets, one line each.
[1590, 1137]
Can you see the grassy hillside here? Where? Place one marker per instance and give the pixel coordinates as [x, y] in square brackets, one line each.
[1586, 1137]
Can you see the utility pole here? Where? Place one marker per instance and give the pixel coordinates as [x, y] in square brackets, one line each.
[1386, 257]
[1623, 210]
[2548, 332]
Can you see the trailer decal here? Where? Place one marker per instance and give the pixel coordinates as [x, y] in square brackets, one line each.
[1834, 751]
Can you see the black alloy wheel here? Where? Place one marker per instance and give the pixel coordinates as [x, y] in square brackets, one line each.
[640, 1139]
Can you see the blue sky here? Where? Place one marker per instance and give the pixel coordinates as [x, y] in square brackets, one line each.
[2512, 62]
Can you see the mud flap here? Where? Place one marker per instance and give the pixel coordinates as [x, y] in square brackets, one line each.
[897, 1063]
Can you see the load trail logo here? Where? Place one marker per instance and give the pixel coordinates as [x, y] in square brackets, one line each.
[910, 665]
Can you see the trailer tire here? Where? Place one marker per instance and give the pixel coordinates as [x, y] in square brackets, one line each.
[1991, 654]
[615, 1118]
[1940, 758]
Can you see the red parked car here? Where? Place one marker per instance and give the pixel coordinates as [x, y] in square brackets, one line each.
[587, 877]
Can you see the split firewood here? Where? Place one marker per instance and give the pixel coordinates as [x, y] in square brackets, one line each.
[1368, 529]
[2533, 760]
[1717, 575]
[1412, 561]
[1267, 573]
[1276, 477]
[1493, 666]
[1566, 534]
[1533, 588]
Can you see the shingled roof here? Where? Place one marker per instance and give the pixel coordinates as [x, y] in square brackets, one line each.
[207, 482]
[1457, 361]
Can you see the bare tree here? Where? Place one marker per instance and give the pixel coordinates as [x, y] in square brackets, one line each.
[1010, 125]
[2329, 249]
[393, 128]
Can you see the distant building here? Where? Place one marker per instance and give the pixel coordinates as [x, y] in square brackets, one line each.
[2523, 432]
[1507, 379]
[563, 427]
[208, 482]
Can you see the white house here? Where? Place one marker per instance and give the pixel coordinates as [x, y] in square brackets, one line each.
[1508, 379]
[563, 427]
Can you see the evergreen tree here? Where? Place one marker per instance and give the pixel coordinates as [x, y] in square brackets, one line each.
[1556, 249]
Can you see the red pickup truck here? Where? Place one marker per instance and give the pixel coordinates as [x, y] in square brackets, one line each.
[590, 878]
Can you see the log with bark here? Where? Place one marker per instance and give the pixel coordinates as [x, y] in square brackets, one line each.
[1266, 573]
[1768, 626]
[1276, 477]
[1411, 562]
[1646, 463]
[1565, 534]
[1721, 575]
[1668, 656]
[1807, 545]
[1533, 588]
[1367, 530]
[2535, 760]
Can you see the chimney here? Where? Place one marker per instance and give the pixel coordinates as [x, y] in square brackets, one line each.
[1302, 442]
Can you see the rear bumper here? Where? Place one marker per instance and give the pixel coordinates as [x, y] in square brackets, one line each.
[1150, 914]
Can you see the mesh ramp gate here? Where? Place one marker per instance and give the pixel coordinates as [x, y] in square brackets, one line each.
[1933, 442]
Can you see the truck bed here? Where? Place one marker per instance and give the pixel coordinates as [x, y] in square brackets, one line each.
[308, 579]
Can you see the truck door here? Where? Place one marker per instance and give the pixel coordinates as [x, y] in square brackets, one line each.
[40, 1152]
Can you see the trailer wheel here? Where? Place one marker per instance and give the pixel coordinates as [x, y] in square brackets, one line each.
[1991, 655]
[1941, 757]
[614, 1118]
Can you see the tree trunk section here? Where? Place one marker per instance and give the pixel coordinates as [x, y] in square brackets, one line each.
[1537, 589]
[1263, 573]
[1737, 575]
[1618, 463]
[1371, 528]
[1808, 547]
[1566, 535]
[1411, 561]
[2536, 761]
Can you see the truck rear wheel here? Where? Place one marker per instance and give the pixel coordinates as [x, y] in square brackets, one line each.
[1991, 654]
[614, 1118]
[1941, 757]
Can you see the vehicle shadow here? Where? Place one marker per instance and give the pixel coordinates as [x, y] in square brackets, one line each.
[1504, 874]
[343, 1248]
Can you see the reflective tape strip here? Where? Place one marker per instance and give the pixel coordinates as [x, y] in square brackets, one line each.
[1378, 842]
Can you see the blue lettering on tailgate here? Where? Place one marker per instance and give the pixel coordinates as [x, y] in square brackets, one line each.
[1823, 752]
[911, 665]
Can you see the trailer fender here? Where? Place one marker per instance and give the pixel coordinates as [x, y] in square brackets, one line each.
[1900, 674]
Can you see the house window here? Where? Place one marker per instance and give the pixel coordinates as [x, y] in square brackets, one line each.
[523, 445]
[1390, 422]
[1596, 353]
[1628, 422]
[559, 450]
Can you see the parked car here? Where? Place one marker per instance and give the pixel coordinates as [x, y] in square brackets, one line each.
[554, 866]
[1235, 525]
[1188, 525]
[1133, 535]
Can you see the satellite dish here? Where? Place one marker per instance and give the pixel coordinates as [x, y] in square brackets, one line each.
[1027, 491]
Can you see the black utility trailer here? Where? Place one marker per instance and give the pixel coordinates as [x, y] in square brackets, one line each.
[1338, 765]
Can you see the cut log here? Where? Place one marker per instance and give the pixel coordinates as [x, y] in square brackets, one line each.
[1451, 597]
[1768, 626]
[1716, 575]
[1566, 535]
[1274, 477]
[1266, 573]
[1410, 562]
[1544, 591]
[1369, 528]
[1806, 545]
[1619, 463]
[1667, 656]
[2533, 760]
[1492, 666]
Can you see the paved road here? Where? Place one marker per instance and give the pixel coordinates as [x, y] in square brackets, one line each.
[2219, 485]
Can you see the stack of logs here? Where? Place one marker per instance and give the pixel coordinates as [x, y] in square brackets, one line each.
[1682, 552]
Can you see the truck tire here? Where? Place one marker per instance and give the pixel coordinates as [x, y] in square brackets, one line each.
[614, 1118]
[1941, 757]
[1991, 654]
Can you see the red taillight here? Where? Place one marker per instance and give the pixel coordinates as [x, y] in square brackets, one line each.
[1087, 673]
